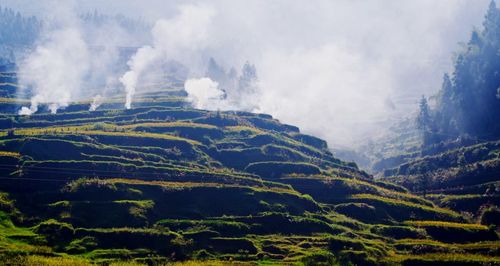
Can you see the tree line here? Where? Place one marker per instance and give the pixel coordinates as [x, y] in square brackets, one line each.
[468, 103]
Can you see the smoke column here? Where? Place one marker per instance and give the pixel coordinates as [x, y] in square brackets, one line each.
[204, 93]
[55, 70]
[185, 33]
[73, 60]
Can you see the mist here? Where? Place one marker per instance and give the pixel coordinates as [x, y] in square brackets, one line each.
[340, 70]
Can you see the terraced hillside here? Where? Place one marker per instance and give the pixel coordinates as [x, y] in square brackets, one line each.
[163, 182]
[464, 178]
[449, 151]
[461, 174]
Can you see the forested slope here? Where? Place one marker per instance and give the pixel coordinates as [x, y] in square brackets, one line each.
[449, 152]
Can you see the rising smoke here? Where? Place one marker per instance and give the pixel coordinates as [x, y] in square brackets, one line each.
[55, 70]
[204, 93]
[72, 61]
[181, 36]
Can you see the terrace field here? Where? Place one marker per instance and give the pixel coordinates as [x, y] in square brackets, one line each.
[163, 182]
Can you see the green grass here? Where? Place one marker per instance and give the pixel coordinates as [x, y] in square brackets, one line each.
[86, 130]
[37, 260]
[10, 154]
[146, 204]
[444, 259]
[240, 129]
[168, 124]
[409, 242]
[160, 183]
[446, 224]
[17, 241]
[112, 182]
[364, 187]
[393, 202]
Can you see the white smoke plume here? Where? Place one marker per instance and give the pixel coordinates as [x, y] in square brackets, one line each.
[174, 38]
[55, 70]
[96, 102]
[204, 93]
[72, 61]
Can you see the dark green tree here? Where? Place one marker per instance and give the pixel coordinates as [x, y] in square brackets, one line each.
[468, 103]
[425, 122]
[424, 117]
[491, 23]
[248, 77]
[445, 110]
[215, 71]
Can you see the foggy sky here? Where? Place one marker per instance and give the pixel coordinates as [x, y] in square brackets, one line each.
[337, 69]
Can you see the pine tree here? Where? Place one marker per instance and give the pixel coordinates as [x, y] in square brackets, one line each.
[475, 39]
[217, 73]
[468, 103]
[248, 77]
[445, 116]
[425, 123]
[492, 23]
[424, 117]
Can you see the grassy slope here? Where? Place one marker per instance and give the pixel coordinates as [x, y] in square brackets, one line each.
[163, 182]
[463, 178]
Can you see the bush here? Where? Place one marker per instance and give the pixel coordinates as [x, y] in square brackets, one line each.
[398, 232]
[55, 231]
[456, 232]
[363, 212]
[278, 169]
[490, 216]
[319, 259]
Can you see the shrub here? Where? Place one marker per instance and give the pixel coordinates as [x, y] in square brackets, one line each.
[278, 169]
[55, 231]
[398, 232]
[363, 212]
[456, 232]
[490, 216]
[320, 259]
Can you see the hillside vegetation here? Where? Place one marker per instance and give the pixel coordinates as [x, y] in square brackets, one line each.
[166, 183]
